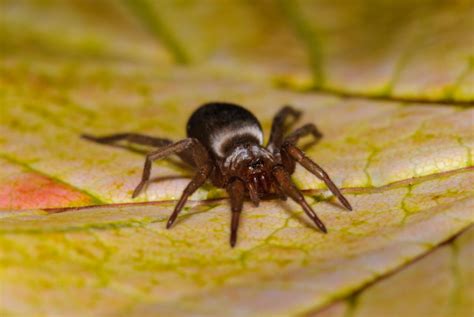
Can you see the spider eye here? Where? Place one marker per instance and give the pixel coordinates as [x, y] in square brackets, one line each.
[258, 163]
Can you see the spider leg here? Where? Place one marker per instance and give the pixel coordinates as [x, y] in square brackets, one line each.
[130, 137]
[280, 192]
[317, 170]
[236, 191]
[278, 126]
[290, 189]
[193, 185]
[309, 128]
[136, 138]
[198, 153]
[253, 194]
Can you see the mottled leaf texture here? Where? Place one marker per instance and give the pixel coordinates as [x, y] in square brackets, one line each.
[449, 266]
[389, 84]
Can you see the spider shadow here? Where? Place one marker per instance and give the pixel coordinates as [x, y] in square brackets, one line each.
[301, 217]
[164, 178]
[198, 208]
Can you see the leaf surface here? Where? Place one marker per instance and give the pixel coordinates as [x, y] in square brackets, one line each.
[449, 266]
[280, 256]
[391, 98]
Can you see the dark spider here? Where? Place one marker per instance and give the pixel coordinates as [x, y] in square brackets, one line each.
[224, 144]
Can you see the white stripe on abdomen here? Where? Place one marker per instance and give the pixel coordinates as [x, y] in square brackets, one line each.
[223, 136]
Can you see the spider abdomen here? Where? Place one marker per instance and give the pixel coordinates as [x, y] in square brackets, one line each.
[221, 126]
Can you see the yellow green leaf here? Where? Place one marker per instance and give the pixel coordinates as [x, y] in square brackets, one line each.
[389, 84]
[125, 255]
[445, 278]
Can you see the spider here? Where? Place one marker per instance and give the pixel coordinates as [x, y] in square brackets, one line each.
[225, 145]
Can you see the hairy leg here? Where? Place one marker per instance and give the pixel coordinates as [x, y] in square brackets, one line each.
[290, 189]
[137, 139]
[305, 130]
[194, 184]
[315, 169]
[129, 137]
[236, 191]
[201, 160]
[278, 127]
[279, 191]
[198, 153]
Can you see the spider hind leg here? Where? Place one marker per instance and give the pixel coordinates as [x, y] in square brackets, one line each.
[278, 126]
[303, 131]
[136, 138]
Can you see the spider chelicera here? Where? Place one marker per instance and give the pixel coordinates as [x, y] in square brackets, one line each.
[224, 144]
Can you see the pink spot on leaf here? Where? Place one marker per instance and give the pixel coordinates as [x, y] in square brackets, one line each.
[33, 191]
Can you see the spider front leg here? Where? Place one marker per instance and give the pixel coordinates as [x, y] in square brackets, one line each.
[284, 180]
[236, 190]
[201, 160]
[197, 181]
[278, 126]
[316, 170]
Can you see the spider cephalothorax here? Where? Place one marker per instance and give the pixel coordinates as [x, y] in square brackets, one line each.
[225, 145]
[252, 164]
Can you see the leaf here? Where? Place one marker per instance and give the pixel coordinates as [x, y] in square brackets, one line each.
[401, 49]
[124, 255]
[398, 142]
[449, 265]
[20, 188]
[70, 30]
[362, 138]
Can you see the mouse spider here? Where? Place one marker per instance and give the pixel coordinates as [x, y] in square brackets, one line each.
[224, 144]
